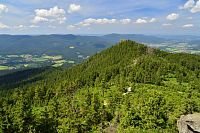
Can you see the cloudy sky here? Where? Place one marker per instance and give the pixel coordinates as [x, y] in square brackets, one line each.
[168, 17]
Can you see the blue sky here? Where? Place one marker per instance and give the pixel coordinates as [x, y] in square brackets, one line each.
[168, 17]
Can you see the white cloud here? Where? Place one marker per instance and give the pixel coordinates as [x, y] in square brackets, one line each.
[193, 5]
[196, 8]
[3, 8]
[188, 26]
[89, 21]
[20, 26]
[125, 21]
[84, 24]
[33, 26]
[74, 8]
[167, 24]
[54, 14]
[72, 27]
[145, 20]
[141, 21]
[172, 16]
[152, 20]
[38, 19]
[3, 26]
[100, 21]
[188, 4]
[24, 26]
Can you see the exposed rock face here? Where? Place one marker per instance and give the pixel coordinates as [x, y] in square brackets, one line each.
[111, 129]
[189, 123]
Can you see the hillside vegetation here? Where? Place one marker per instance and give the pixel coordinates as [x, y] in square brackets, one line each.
[94, 96]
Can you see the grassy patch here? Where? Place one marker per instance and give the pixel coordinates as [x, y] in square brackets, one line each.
[4, 68]
[57, 65]
[60, 61]
[39, 59]
[57, 57]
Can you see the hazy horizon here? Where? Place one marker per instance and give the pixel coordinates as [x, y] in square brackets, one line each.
[102, 34]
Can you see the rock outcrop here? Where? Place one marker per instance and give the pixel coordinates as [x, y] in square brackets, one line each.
[189, 123]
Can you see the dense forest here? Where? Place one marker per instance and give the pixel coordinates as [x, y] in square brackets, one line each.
[59, 44]
[127, 88]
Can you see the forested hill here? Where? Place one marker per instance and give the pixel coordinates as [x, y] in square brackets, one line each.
[93, 96]
[59, 44]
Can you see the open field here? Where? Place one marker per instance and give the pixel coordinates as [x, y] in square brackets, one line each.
[4, 68]
[12, 62]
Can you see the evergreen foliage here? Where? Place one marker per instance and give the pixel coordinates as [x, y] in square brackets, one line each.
[93, 96]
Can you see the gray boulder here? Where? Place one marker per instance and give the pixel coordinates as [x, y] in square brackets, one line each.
[189, 123]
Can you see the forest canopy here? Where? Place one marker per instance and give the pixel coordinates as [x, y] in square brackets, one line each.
[126, 88]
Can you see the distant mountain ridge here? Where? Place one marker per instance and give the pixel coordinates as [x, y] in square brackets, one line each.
[54, 44]
[48, 44]
[135, 37]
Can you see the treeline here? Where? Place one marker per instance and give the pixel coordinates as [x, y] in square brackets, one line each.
[93, 96]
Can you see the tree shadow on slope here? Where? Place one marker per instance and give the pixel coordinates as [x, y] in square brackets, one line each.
[21, 78]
